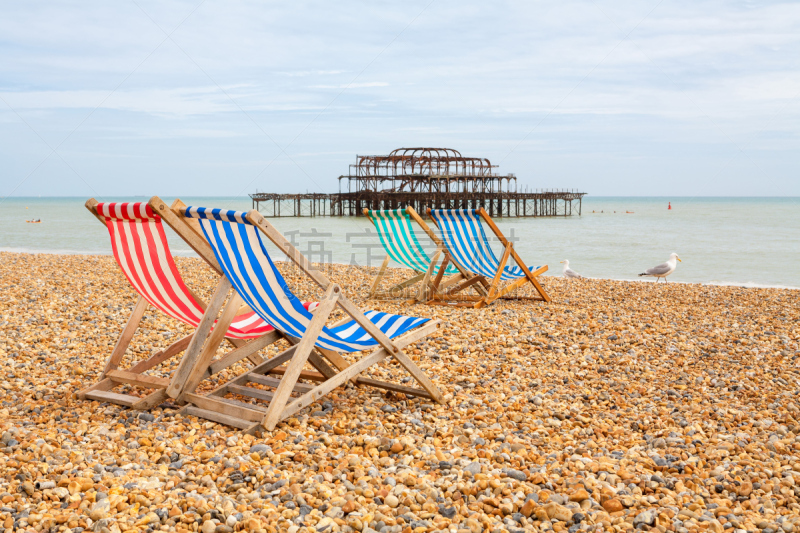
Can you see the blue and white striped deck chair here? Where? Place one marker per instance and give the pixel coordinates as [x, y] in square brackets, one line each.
[396, 231]
[235, 237]
[465, 238]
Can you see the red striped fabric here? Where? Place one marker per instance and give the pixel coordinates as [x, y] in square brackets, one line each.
[141, 250]
[127, 211]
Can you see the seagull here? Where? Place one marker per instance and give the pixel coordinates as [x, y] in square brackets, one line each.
[568, 272]
[664, 269]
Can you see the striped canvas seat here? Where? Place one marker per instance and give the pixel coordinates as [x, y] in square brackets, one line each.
[400, 242]
[141, 250]
[243, 257]
[465, 239]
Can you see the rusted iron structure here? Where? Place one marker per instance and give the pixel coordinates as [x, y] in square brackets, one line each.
[293, 205]
[438, 178]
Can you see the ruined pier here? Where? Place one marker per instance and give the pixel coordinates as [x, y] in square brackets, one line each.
[437, 178]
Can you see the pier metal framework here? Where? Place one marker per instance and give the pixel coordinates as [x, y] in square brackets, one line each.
[292, 205]
[437, 178]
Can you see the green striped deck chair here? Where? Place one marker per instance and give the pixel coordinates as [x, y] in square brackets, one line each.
[396, 230]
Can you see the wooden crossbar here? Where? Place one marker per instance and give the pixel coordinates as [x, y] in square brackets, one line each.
[139, 380]
[269, 381]
[304, 374]
[250, 392]
[227, 406]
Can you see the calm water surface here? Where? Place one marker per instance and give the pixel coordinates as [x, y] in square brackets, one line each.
[741, 241]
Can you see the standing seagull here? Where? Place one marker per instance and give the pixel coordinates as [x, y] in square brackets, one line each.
[569, 273]
[664, 269]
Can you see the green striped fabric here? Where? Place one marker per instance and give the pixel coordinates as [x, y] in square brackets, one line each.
[397, 236]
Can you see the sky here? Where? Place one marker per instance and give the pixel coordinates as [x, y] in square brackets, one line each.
[211, 98]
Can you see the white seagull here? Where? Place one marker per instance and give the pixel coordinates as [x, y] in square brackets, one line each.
[664, 269]
[568, 272]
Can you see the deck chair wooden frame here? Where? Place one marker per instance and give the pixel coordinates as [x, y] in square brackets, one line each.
[481, 262]
[408, 252]
[189, 230]
[254, 417]
[247, 345]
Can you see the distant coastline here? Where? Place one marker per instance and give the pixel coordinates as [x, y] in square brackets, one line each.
[550, 273]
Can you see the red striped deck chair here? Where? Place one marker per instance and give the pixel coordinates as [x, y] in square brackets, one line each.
[141, 250]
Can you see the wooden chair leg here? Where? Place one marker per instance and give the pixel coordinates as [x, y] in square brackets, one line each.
[201, 333]
[379, 277]
[496, 281]
[439, 275]
[510, 288]
[335, 358]
[211, 346]
[126, 336]
[532, 275]
[417, 373]
[387, 343]
[124, 340]
[104, 384]
[159, 357]
[151, 400]
[318, 362]
[303, 350]
[424, 287]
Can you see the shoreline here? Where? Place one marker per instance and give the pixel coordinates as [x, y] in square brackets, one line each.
[618, 406]
[550, 273]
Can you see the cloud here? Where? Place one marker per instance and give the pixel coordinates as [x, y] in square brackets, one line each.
[596, 81]
[352, 85]
[305, 73]
[183, 101]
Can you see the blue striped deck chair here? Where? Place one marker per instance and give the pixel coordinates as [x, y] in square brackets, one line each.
[236, 238]
[396, 231]
[465, 238]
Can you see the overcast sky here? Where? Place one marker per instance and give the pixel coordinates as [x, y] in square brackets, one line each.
[222, 98]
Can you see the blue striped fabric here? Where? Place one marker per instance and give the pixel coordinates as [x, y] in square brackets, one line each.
[247, 264]
[465, 239]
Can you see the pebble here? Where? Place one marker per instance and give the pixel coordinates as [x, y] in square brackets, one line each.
[515, 474]
[645, 518]
[473, 468]
[597, 414]
[260, 449]
[557, 512]
[392, 501]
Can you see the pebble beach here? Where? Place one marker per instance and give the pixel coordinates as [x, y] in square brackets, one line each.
[618, 406]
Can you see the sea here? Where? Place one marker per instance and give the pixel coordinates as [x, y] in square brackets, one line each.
[750, 242]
